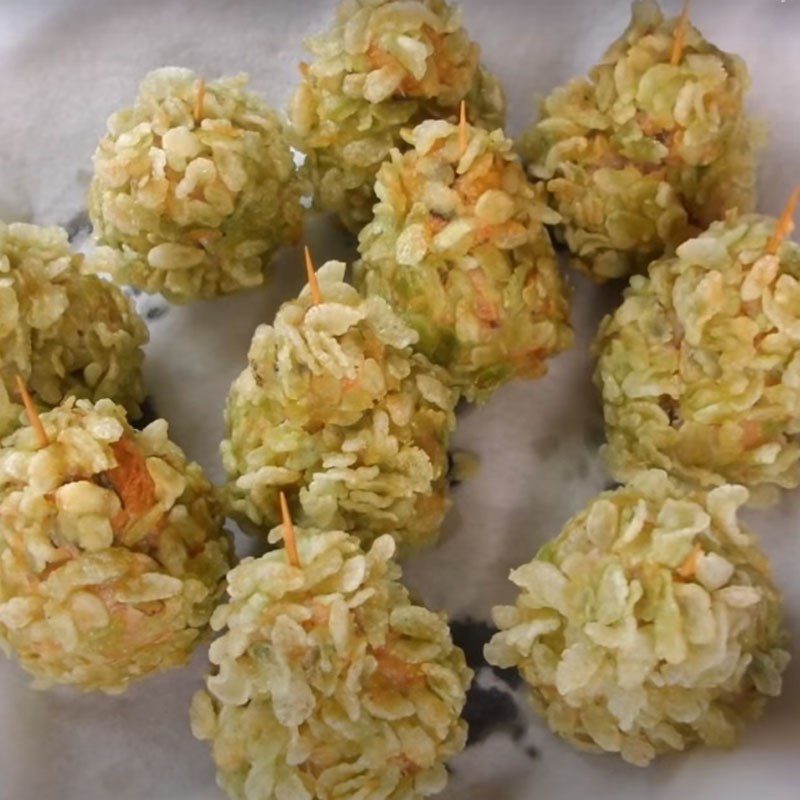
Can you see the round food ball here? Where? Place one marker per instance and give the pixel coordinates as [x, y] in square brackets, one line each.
[458, 249]
[63, 332]
[112, 552]
[650, 623]
[337, 410]
[328, 682]
[645, 153]
[194, 188]
[385, 65]
[699, 368]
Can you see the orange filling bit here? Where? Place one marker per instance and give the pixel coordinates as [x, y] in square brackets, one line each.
[397, 672]
[688, 569]
[131, 479]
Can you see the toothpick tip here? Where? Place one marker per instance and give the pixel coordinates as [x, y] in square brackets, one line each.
[462, 127]
[680, 34]
[289, 538]
[785, 224]
[313, 282]
[197, 111]
[32, 413]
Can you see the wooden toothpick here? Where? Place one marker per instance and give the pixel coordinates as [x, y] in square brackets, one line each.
[289, 539]
[313, 283]
[785, 224]
[33, 414]
[462, 128]
[680, 35]
[199, 100]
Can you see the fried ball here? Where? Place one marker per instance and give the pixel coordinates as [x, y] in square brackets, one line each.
[194, 188]
[336, 409]
[699, 368]
[650, 624]
[458, 249]
[65, 333]
[328, 681]
[112, 552]
[649, 149]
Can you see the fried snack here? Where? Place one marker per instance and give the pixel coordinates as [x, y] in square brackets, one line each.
[112, 552]
[458, 249]
[384, 65]
[194, 188]
[699, 368]
[335, 409]
[64, 332]
[649, 149]
[328, 681]
[649, 625]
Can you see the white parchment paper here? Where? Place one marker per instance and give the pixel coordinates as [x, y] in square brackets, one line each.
[64, 66]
